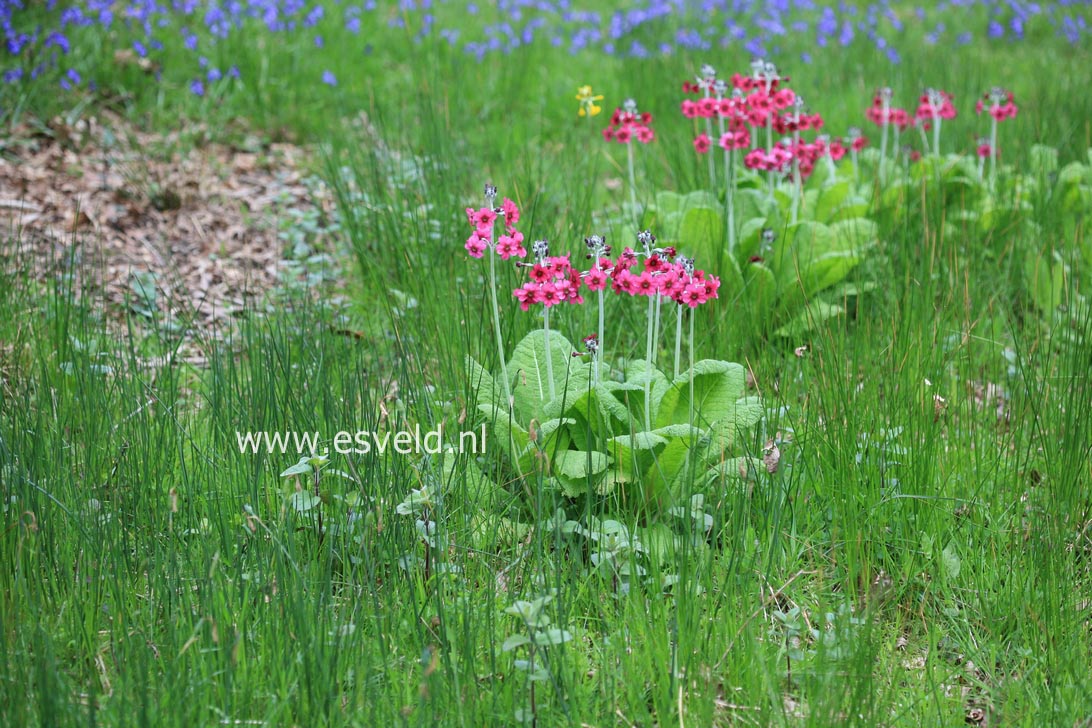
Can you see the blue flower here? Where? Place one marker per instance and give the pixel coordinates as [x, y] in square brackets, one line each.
[197, 88]
[329, 78]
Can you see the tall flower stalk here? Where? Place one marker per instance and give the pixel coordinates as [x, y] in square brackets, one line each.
[797, 183]
[626, 125]
[596, 280]
[707, 82]
[885, 101]
[933, 108]
[1000, 105]
[508, 245]
[553, 280]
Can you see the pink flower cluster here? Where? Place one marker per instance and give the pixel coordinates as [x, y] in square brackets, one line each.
[508, 245]
[553, 281]
[753, 108]
[934, 105]
[999, 102]
[805, 153]
[662, 274]
[627, 124]
[893, 116]
[740, 139]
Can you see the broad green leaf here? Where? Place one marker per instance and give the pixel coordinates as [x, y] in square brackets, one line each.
[830, 199]
[303, 467]
[515, 641]
[854, 233]
[579, 464]
[509, 435]
[552, 636]
[716, 386]
[749, 242]
[819, 274]
[482, 385]
[613, 396]
[528, 371]
[638, 372]
[745, 413]
[303, 500]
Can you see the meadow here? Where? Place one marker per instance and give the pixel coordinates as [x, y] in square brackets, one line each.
[779, 429]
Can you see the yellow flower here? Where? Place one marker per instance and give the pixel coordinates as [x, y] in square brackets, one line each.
[587, 100]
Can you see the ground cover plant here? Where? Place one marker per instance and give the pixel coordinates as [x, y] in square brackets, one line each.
[684, 363]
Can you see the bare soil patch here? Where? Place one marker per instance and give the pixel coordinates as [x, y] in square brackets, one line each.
[124, 211]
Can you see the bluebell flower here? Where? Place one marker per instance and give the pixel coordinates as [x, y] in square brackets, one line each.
[59, 40]
[197, 88]
[329, 78]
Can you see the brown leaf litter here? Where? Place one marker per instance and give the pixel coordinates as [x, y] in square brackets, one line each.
[202, 226]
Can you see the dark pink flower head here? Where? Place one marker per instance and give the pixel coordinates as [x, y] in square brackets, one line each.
[627, 122]
[595, 279]
[482, 218]
[511, 215]
[935, 104]
[526, 295]
[735, 140]
[836, 150]
[643, 285]
[476, 245]
[999, 102]
[756, 159]
[783, 98]
[511, 246]
[701, 143]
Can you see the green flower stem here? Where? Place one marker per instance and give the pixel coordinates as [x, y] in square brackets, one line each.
[883, 139]
[936, 134]
[496, 324]
[729, 190]
[678, 338]
[709, 133]
[993, 153]
[648, 361]
[602, 343]
[769, 150]
[632, 181]
[690, 416]
[656, 330]
[549, 352]
[796, 181]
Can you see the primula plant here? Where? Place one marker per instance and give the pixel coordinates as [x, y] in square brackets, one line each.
[793, 223]
[619, 433]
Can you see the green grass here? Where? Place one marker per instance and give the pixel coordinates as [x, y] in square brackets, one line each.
[155, 575]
